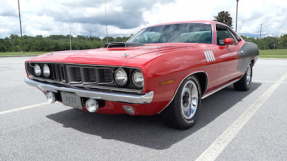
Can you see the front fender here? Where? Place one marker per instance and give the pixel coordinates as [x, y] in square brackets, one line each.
[164, 74]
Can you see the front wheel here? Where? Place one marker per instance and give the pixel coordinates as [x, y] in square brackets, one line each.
[245, 82]
[184, 109]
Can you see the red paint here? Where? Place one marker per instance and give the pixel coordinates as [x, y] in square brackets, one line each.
[161, 62]
[228, 41]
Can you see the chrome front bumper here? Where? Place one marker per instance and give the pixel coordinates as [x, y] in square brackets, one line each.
[107, 96]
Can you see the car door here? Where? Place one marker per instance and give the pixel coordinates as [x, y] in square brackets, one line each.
[226, 55]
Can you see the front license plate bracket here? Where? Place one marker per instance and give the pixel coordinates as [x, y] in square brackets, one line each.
[71, 99]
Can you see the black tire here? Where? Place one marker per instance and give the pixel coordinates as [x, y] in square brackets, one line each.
[245, 82]
[173, 115]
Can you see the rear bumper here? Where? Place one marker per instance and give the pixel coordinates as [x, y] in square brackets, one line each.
[107, 96]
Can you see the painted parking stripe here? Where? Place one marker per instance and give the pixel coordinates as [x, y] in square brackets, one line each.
[220, 143]
[268, 81]
[22, 108]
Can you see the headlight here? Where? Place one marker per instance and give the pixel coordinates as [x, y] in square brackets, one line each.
[138, 79]
[46, 71]
[121, 77]
[37, 70]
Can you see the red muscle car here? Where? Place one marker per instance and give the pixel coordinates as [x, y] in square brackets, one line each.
[164, 69]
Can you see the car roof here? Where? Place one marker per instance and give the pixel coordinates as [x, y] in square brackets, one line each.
[193, 21]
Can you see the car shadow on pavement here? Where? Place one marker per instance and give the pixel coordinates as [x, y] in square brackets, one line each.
[148, 131]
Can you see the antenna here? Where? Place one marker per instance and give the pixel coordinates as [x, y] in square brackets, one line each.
[106, 8]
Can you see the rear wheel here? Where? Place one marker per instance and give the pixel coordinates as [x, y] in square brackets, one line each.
[183, 111]
[245, 82]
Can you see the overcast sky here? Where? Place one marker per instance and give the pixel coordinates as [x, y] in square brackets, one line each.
[87, 17]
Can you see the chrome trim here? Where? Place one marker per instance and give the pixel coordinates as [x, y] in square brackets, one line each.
[220, 88]
[108, 96]
[90, 86]
[180, 85]
[189, 108]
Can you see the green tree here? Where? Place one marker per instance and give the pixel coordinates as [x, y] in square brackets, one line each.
[283, 41]
[224, 17]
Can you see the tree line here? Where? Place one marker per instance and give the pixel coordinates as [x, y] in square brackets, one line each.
[269, 42]
[15, 43]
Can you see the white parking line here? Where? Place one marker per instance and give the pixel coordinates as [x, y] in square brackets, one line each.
[22, 108]
[268, 81]
[220, 143]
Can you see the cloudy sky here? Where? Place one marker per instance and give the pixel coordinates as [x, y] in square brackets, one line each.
[88, 17]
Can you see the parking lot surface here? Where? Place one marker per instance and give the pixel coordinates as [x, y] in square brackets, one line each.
[232, 125]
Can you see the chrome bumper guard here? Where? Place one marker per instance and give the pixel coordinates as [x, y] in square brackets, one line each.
[107, 96]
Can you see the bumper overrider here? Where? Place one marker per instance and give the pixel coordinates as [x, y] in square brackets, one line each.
[99, 95]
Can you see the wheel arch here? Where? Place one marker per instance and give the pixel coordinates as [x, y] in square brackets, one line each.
[252, 62]
[203, 80]
[202, 77]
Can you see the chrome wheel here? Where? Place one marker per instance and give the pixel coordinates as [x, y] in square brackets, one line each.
[248, 75]
[184, 110]
[245, 82]
[189, 99]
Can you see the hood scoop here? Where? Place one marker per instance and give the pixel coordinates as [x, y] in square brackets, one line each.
[122, 44]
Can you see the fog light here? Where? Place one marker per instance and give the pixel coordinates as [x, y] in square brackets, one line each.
[51, 97]
[92, 105]
[129, 109]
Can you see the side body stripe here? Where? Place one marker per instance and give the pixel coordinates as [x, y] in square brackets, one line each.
[209, 56]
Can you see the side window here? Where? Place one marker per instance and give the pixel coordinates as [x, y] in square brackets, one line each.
[235, 35]
[223, 33]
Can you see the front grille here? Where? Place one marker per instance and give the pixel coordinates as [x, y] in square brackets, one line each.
[92, 75]
[83, 76]
[58, 73]
[74, 75]
[105, 75]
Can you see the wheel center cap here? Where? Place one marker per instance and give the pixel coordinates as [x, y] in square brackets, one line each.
[185, 99]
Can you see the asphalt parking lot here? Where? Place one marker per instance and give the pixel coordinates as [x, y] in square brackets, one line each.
[233, 125]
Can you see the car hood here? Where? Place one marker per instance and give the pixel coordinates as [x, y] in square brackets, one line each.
[129, 56]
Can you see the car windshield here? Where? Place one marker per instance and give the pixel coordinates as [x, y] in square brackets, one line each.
[174, 33]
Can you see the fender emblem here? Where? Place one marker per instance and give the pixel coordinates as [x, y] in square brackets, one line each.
[209, 56]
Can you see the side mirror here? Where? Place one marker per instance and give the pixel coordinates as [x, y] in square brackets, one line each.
[228, 41]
